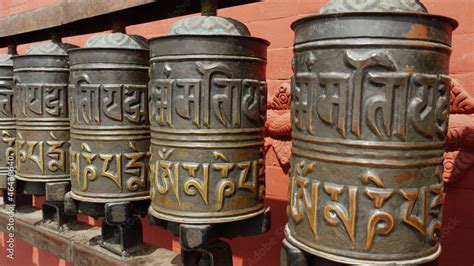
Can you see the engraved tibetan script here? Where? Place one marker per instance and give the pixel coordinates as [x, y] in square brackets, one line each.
[324, 204]
[45, 155]
[41, 100]
[369, 97]
[87, 166]
[194, 179]
[99, 102]
[6, 103]
[216, 98]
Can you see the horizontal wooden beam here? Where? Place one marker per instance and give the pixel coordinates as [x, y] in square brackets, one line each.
[76, 17]
[77, 244]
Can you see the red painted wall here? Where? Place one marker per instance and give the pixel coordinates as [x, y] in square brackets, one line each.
[271, 19]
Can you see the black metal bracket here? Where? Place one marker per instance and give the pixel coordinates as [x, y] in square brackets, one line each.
[54, 215]
[22, 202]
[201, 244]
[292, 256]
[122, 232]
[30, 188]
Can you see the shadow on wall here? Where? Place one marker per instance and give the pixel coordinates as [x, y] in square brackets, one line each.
[458, 211]
[264, 249]
[459, 155]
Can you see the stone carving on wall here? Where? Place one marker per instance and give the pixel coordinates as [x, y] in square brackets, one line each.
[461, 101]
[278, 125]
[456, 165]
[459, 158]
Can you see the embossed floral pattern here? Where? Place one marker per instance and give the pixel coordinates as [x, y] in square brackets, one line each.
[461, 101]
[49, 48]
[278, 126]
[341, 6]
[210, 25]
[6, 60]
[117, 39]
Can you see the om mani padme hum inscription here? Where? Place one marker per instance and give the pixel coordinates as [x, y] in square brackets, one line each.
[370, 113]
[207, 113]
[110, 132]
[42, 116]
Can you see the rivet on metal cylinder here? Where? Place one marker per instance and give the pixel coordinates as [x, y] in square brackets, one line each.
[370, 113]
[7, 115]
[42, 117]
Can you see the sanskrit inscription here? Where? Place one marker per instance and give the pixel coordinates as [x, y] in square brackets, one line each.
[126, 171]
[6, 103]
[43, 156]
[339, 206]
[371, 97]
[191, 179]
[41, 100]
[216, 99]
[98, 103]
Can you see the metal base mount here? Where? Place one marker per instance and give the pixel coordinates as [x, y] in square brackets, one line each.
[122, 232]
[201, 244]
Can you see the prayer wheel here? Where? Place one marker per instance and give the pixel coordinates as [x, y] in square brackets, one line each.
[207, 115]
[110, 132]
[42, 117]
[7, 117]
[370, 106]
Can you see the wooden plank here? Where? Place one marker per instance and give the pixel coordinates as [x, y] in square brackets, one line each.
[76, 17]
[62, 13]
[77, 244]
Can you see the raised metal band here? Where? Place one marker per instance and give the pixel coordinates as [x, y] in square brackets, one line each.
[206, 218]
[352, 261]
[99, 198]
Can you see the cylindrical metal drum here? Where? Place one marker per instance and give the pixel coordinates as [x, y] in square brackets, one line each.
[7, 116]
[370, 106]
[110, 135]
[207, 113]
[42, 117]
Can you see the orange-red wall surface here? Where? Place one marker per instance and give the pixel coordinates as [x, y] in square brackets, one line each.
[271, 19]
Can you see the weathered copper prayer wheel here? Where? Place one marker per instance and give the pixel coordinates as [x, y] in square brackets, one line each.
[7, 116]
[110, 132]
[370, 106]
[207, 113]
[42, 117]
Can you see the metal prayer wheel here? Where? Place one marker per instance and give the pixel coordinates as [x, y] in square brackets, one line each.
[42, 117]
[110, 134]
[7, 116]
[369, 115]
[207, 114]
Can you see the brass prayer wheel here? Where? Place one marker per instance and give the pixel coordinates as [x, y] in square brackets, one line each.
[110, 132]
[370, 106]
[7, 116]
[207, 114]
[42, 117]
